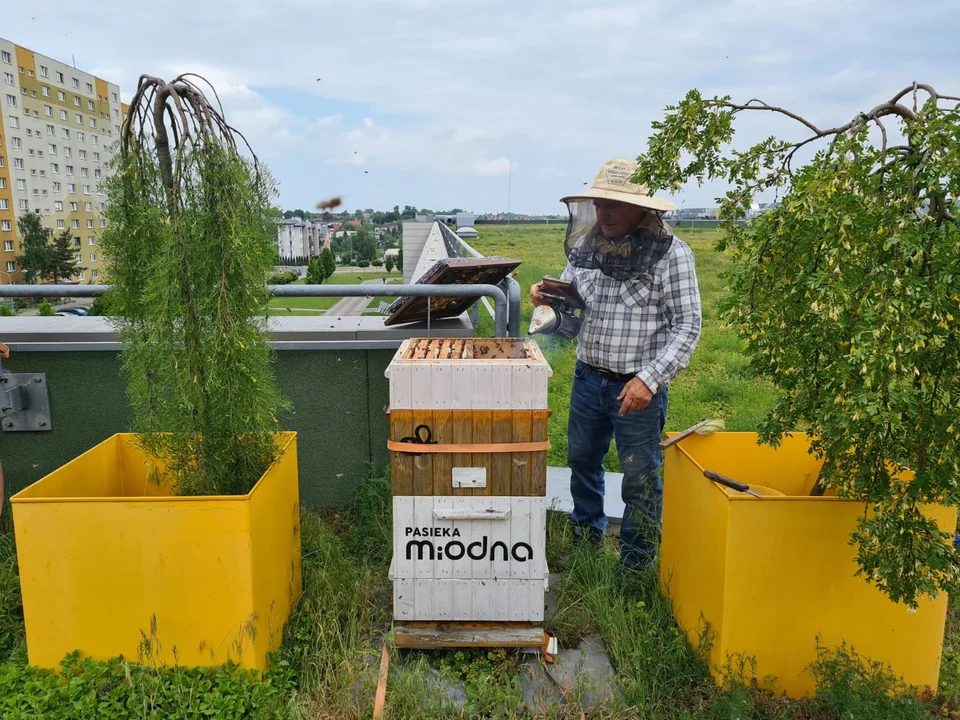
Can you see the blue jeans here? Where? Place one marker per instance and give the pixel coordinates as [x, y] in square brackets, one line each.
[594, 420]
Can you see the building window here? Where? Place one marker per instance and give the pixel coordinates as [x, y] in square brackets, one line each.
[94, 139]
[83, 154]
[75, 224]
[8, 78]
[88, 207]
[21, 70]
[93, 123]
[80, 136]
[82, 275]
[63, 115]
[60, 225]
[7, 244]
[79, 119]
[73, 207]
[44, 72]
[18, 163]
[93, 257]
[14, 121]
[103, 222]
[66, 134]
[76, 100]
[11, 266]
[69, 169]
[58, 76]
[89, 223]
[24, 204]
[43, 173]
[116, 113]
[5, 226]
[66, 151]
[78, 256]
[52, 148]
[21, 184]
[58, 205]
[76, 82]
[60, 96]
[1, 160]
[56, 187]
[51, 130]
[90, 105]
[84, 172]
[12, 100]
[3, 183]
[86, 189]
[15, 143]
[97, 174]
[9, 61]
[71, 188]
[30, 73]
[54, 169]
[4, 204]
[36, 192]
[94, 274]
[48, 111]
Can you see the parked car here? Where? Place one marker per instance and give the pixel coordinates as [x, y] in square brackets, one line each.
[71, 311]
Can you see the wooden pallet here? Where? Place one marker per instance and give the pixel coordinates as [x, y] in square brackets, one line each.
[427, 635]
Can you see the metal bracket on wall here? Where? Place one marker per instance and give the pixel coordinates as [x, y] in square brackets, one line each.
[24, 402]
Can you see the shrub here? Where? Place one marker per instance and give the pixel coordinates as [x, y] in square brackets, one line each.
[45, 308]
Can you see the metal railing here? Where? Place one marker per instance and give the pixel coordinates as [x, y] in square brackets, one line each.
[502, 322]
[458, 247]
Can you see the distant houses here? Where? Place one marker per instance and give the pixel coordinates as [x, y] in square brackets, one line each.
[299, 238]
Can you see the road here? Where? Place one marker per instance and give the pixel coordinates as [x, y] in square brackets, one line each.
[355, 305]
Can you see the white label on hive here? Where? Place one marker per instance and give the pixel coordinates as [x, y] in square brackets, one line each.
[469, 477]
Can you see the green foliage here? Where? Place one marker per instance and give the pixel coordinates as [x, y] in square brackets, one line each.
[846, 294]
[363, 263]
[86, 689]
[315, 273]
[45, 309]
[364, 245]
[377, 262]
[11, 608]
[329, 262]
[6, 310]
[101, 306]
[850, 686]
[400, 260]
[282, 278]
[190, 244]
[490, 678]
[36, 256]
[63, 257]
[389, 265]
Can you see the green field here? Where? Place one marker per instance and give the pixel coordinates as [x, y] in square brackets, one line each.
[314, 305]
[718, 383]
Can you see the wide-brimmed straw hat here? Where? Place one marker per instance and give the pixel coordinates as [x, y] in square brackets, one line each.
[613, 183]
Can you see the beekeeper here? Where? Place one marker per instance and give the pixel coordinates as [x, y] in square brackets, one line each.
[639, 328]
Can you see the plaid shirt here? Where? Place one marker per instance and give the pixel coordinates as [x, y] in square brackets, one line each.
[648, 326]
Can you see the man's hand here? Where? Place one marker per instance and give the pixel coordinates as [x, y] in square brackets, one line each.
[634, 396]
[535, 297]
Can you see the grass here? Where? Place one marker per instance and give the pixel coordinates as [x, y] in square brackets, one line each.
[291, 305]
[717, 384]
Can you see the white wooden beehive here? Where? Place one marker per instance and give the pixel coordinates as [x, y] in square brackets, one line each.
[462, 553]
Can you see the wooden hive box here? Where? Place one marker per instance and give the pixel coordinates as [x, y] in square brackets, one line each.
[468, 434]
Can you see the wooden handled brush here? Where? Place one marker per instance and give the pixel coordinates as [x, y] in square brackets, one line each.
[704, 427]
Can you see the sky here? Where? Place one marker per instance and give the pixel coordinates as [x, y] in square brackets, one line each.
[490, 104]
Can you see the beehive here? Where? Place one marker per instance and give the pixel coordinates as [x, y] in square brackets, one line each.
[468, 435]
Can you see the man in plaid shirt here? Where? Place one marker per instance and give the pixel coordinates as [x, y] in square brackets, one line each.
[639, 329]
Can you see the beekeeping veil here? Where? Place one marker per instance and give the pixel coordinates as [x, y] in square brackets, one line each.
[640, 250]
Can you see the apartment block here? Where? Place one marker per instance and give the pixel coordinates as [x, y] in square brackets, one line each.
[59, 128]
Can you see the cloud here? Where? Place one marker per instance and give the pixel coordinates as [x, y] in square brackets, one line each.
[431, 97]
[498, 166]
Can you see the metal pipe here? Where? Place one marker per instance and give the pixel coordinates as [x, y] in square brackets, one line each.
[501, 319]
[513, 306]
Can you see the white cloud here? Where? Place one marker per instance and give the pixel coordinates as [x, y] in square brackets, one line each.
[498, 166]
[431, 97]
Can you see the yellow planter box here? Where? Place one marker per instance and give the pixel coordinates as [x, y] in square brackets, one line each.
[766, 578]
[109, 559]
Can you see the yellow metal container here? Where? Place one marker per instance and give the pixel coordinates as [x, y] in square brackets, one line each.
[769, 578]
[109, 559]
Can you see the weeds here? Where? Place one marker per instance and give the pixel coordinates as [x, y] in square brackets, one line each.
[11, 608]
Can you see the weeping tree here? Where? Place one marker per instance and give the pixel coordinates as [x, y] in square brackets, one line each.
[190, 239]
[847, 293]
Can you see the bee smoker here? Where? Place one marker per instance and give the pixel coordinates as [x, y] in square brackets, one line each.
[560, 315]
